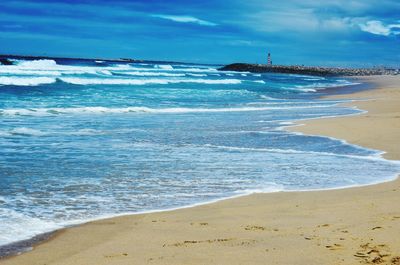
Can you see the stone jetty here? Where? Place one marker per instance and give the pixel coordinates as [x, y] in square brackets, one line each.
[308, 70]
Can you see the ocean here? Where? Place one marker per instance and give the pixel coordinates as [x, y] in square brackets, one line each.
[83, 139]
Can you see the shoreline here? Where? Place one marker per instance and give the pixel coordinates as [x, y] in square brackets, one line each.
[221, 203]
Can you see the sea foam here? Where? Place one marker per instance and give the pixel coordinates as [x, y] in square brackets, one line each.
[26, 81]
[154, 81]
[141, 109]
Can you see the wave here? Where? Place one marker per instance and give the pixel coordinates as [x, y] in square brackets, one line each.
[320, 86]
[26, 81]
[50, 68]
[196, 75]
[103, 110]
[164, 66]
[267, 97]
[13, 71]
[315, 79]
[138, 73]
[188, 69]
[104, 72]
[99, 81]
[37, 64]
[375, 157]
[87, 132]
[14, 226]
[23, 131]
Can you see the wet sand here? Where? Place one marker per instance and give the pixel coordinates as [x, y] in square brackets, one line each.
[347, 226]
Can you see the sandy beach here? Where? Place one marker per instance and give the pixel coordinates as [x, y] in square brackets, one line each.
[347, 226]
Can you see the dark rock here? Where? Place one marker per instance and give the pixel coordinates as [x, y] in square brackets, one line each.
[308, 70]
[5, 61]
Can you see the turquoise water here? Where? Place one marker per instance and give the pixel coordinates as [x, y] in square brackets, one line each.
[81, 140]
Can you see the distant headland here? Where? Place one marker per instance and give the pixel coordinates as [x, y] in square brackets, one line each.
[308, 70]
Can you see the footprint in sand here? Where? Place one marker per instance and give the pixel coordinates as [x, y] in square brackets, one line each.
[200, 224]
[191, 242]
[254, 228]
[116, 255]
[334, 247]
[395, 260]
[375, 254]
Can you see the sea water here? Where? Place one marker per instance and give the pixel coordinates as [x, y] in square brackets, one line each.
[81, 140]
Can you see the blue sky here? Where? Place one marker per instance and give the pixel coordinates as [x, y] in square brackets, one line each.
[311, 32]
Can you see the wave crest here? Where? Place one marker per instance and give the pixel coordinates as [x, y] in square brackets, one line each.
[37, 64]
[154, 81]
[137, 109]
[25, 81]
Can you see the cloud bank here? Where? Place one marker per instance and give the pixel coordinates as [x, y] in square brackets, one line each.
[185, 19]
[379, 28]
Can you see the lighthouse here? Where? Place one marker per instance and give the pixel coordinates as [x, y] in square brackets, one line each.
[269, 59]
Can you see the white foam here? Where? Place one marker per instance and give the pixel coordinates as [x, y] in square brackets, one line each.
[314, 79]
[314, 87]
[26, 132]
[164, 66]
[134, 109]
[138, 73]
[84, 132]
[49, 69]
[115, 81]
[269, 187]
[13, 71]
[259, 81]
[14, 226]
[37, 64]
[376, 156]
[268, 98]
[4, 134]
[104, 72]
[26, 81]
[188, 69]
[196, 75]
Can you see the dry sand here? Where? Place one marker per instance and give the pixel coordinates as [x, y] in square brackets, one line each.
[347, 226]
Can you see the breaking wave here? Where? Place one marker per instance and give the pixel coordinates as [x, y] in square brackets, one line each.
[155, 81]
[37, 64]
[25, 81]
[102, 110]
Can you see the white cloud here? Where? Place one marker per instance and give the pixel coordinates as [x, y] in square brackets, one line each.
[378, 28]
[186, 19]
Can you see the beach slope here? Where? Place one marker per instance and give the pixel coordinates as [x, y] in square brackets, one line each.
[348, 226]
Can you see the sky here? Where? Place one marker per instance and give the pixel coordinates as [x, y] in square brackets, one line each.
[344, 33]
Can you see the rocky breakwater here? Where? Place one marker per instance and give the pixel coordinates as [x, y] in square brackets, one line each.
[308, 70]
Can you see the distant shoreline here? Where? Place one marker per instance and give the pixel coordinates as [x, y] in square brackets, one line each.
[308, 70]
[6, 59]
